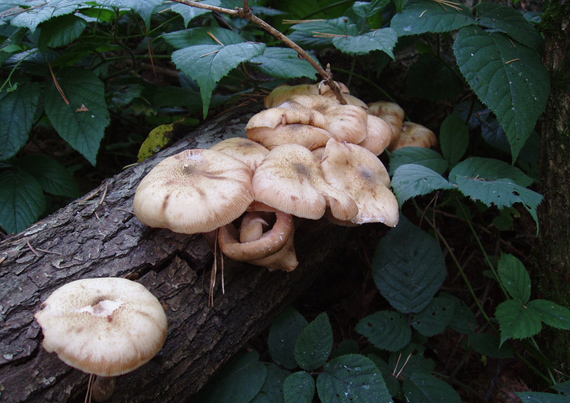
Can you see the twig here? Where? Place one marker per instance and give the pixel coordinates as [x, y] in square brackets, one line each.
[32, 249]
[49, 251]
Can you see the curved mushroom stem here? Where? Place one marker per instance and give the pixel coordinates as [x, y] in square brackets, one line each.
[251, 228]
[103, 388]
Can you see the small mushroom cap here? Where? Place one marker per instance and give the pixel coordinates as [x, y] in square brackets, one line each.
[283, 93]
[194, 191]
[306, 135]
[247, 151]
[103, 326]
[287, 113]
[414, 135]
[379, 135]
[390, 112]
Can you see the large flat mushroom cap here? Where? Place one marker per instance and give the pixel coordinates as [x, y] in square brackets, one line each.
[103, 326]
[194, 191]
[247, 151]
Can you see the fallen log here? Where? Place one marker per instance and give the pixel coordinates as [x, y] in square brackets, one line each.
[97, 236]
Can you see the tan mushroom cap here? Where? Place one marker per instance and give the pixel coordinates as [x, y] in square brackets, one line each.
[290, 179]
[288, 113]
[247, 151]
[306, 135]
[390, 112]
[359, 173]
[103, 326]
[283, 93]
[194, 191]
[379, 135]
[414, 135]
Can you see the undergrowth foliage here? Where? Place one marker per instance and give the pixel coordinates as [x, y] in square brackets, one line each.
[75, 67]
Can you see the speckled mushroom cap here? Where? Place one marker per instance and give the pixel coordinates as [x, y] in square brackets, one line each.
[194, 191]
[103, 326]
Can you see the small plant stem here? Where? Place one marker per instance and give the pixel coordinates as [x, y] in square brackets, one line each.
[15, 68]
[247, 14]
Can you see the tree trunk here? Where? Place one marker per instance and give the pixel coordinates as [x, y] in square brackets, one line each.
[99, 236]
[554, 250]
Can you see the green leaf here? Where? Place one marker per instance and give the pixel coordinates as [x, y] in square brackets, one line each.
[208, 64]
[550, 313]
[563, 387]
[392, 383]
[144, 8]
[239, 381]
[489, 169]
[410, 361]
[299, 387]
[512, 22]
[53, 177]
[408, 267]
[418, 155]
[283, 334]
[430, 78]
[33, 16]
[514, 277]
[541, 397]
[17, 110]
[509, 78]
[352, 378]
[386, 330]
[434, 318]
[348, 346]
[272, 389]
[382, 39]
[189, 13]
[61, 31]
[413, 180]
[423, 16]
[82, 123]
[487, 344]
[426, 388]
[463, 320]
[283, 63]
[22, 200]
[202, 36]
[453, 138]
[320, 33]
[517, 321]
[314, 345]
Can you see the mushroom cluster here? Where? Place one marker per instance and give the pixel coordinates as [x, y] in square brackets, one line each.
[307, 156]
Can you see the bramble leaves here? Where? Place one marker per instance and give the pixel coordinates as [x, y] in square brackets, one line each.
[314, 344]
[425, 388]
[283, 334]
[22, 200]
[413, 180]
[386, 330]
[453, 138]
[299, 387]
[283, 63]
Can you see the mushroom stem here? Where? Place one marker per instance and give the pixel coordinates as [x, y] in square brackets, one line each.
[103, 388]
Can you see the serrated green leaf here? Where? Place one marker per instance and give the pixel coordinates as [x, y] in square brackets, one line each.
[144, 8]
[514, 277]
[487, 344]
[207, 64]
[426, 388]
[352, 378]
[418, 155]
[367, 10]
[510, 79]
[272, 389]
[517, 321]
[490, 169]
[348, 346]
[550, 313]
[413, 180]
[512, 22]
[33, 16]
[430, 78]
[423, 16]
[299, 387]
[463, 320]
[434, 318]
[22, 200]
[53, 177]
[283, 63]
[202, 36]
[410, 361]
[320, 33]
[61, 31]
[386, 330]
[283, 334]
[382, 39]
[392, 383]
[453, 138]
[239, 381]
[17, 110]
[82, 123]
[314, 345]
[563, 387]
[541, 397]
[189, 13]
[408, 267]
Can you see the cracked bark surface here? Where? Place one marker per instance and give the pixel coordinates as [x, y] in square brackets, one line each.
[99, 236]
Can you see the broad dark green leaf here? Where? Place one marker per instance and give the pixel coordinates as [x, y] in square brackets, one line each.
[418, 155]
[426, 388]
[453, 138]
[348, 346]
[22, 200]
[410, 361]
[541, 397]
[382, 39]
[487, 344]
[272, 389]
[413, 180]
[550, 313]
[283, 334]
[188, 13]
[434, 318]
[82, 122]
[408, 267]
[31, 17]
[514, 277]
[53, 177]
[352, 379]
[17, 110]
[386, 330]
[430, 78]
[320, 33]
[367, 10]
[283, 63]
[299, 387]
[314, 345]
[144, 8]
[509, 78]
[490, 169]
[423, 16]
[202, 36]
[392, 383]
[563, 387]
[517, 321]
[463, 320]
[61, 31]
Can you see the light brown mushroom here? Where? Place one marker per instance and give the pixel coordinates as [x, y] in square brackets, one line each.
[247, 151]
[194, 191]
[283, 93]
[390, 112]
[379, 135]
[288, 113]
[414, 135]
[306, 135]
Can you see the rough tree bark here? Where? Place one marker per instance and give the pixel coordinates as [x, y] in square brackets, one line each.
[554, 250]
[99, 236]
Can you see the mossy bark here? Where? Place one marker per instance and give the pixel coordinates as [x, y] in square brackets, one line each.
[554, 247]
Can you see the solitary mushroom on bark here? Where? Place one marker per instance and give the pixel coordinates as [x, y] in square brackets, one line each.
[103, 326]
